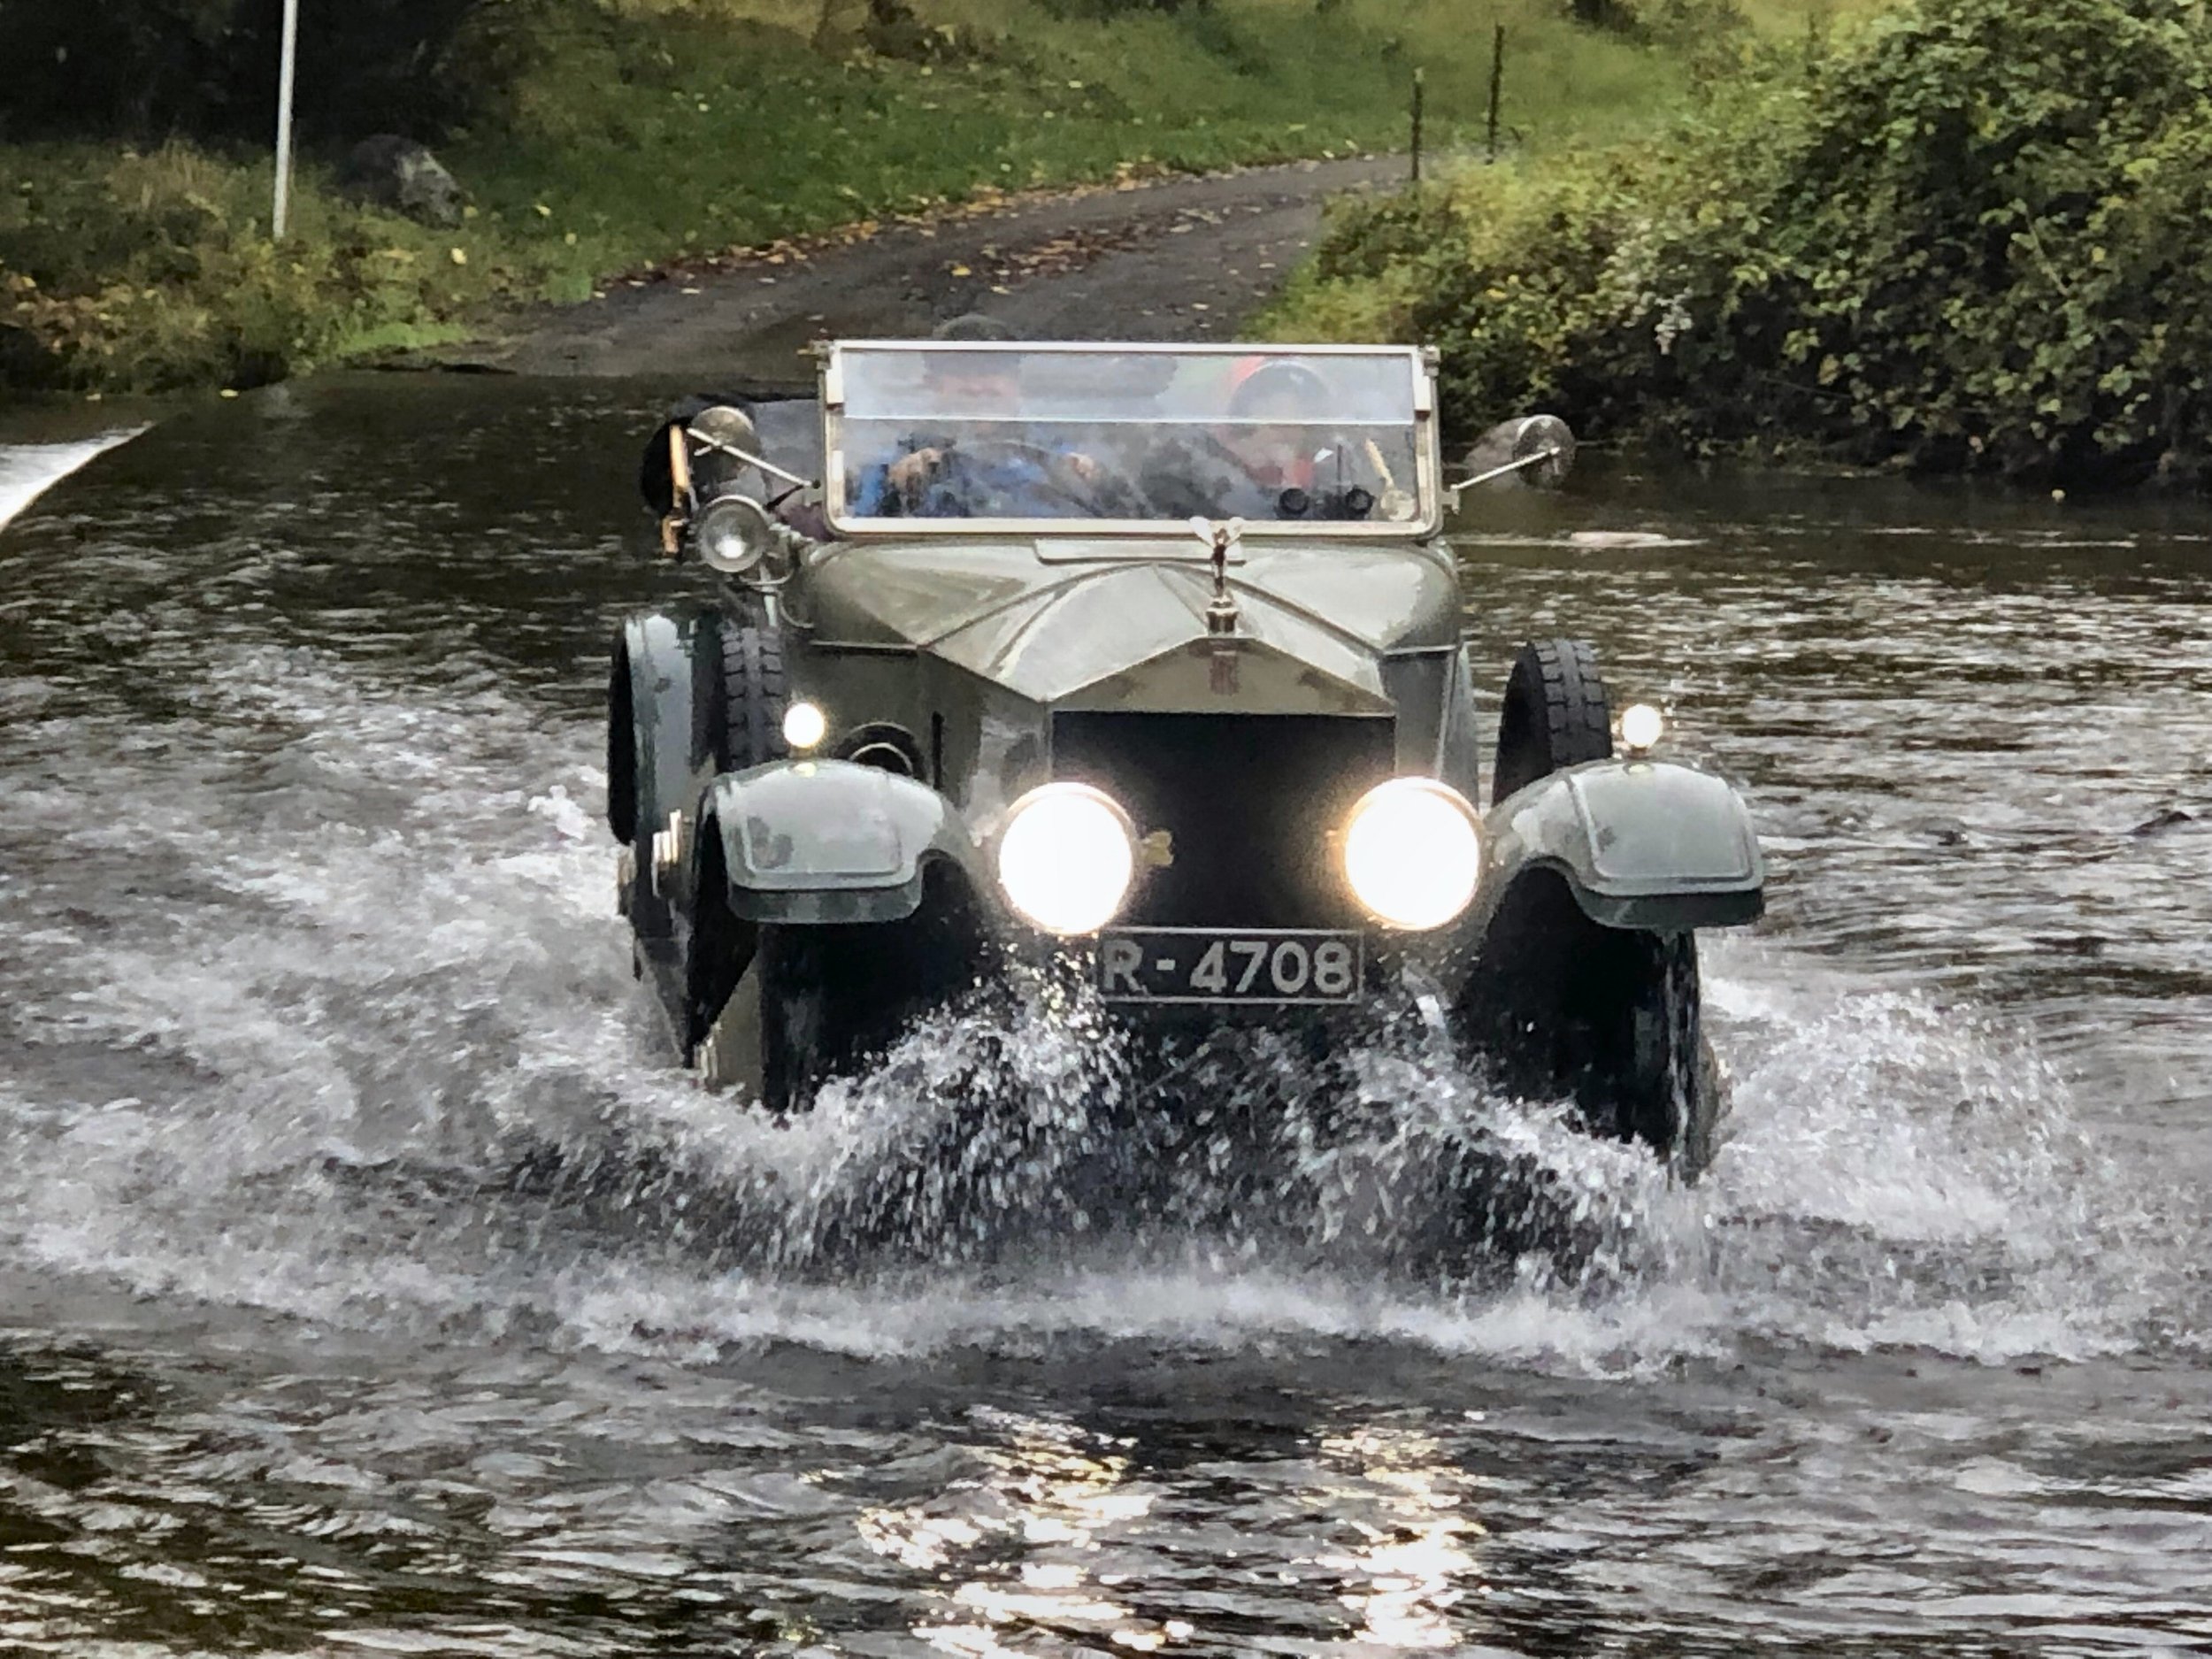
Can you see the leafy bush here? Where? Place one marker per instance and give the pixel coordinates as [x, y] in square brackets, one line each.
[153, 69]
[153, 272]
[1979, 236]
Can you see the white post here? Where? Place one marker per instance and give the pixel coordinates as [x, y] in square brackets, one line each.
[284, 118]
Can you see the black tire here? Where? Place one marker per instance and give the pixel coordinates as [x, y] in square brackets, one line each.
[795, 1043]
[1555, 715]
[754, 695]
[1667, 1088]
[1614, 1017]
[634, 897]
[621, 750]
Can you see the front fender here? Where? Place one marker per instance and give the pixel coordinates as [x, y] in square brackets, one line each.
[660, 703]
[827, 841]
[1642, 844]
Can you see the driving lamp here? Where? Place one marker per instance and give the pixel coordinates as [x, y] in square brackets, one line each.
[804, 726]
[1066, 857]
[1413, 853]
[735, 533]
[1642, 725]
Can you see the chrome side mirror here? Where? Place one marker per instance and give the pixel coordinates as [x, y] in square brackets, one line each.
[729, 430]
[1540, 449]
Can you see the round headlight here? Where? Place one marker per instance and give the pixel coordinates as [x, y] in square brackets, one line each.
[1066, 857]
[735, 533]
[1413, 853]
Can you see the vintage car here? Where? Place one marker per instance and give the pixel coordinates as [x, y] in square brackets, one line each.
[1146, 662]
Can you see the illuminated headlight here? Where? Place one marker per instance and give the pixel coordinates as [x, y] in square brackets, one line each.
[1066, 857]
[1642, 725]
[1413, 853]
[735, 533]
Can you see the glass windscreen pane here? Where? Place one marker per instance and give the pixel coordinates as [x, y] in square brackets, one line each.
[990, 432]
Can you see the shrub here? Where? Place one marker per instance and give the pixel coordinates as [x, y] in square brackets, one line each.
[1979, 236]
[154, 271]
[153, 69]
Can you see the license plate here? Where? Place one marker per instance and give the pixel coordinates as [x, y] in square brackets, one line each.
[1211, 964]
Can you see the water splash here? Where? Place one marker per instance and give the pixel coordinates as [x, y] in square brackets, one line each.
[27, 471]
[329, 1016]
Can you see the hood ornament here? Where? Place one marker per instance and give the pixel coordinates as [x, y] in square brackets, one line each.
[1222, 538]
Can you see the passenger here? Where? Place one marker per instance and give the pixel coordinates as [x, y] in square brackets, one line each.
[1270, 459]
[985, 463]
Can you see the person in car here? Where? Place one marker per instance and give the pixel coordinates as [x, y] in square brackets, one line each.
[982, 463]
[1272, 457]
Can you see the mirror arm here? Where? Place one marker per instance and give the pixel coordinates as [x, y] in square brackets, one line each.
[751, 459]
[1536, 459]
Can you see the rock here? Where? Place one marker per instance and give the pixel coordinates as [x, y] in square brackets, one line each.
[388, 171]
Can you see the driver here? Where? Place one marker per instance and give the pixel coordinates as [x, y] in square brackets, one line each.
[952, 476]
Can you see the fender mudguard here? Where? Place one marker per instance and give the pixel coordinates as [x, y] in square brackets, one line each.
[828, 840]
[1642, 844]
[665, 672]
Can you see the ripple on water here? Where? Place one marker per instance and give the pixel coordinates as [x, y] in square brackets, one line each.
[432, 1312]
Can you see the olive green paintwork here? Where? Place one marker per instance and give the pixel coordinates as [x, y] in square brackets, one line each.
[822, 841]
[1642, 844]
[671, 664]
[972, 645]
[990, 636]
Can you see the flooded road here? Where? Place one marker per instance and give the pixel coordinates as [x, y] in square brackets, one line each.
[369, 1285]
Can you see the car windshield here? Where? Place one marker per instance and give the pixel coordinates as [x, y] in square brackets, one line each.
[1134, 438]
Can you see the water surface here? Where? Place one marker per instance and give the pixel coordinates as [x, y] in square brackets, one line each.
[368, 1283]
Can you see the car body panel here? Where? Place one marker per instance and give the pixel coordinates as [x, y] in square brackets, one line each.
[1643, 844]
[671, 662]
[831, 842]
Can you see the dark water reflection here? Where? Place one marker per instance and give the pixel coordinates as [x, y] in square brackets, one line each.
[306, 965]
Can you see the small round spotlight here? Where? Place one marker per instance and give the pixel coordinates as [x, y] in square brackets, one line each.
[1642, 725]
[804, 726]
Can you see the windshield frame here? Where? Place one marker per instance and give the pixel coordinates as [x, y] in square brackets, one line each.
[1428, 462]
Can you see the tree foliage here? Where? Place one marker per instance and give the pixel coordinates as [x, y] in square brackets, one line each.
[1980, 236]
[150, 69]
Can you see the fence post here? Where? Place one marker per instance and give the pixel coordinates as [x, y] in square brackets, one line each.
[1419, 75]
[287, 52]
[1497, 85]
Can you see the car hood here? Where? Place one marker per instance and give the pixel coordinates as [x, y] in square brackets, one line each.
[1122, 622]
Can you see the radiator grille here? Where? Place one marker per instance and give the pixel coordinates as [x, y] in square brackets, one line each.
[1251, 800]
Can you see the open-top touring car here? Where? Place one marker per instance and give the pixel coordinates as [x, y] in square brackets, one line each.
[1150, 660]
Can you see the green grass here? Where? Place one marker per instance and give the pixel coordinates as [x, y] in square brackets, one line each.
[655, 128]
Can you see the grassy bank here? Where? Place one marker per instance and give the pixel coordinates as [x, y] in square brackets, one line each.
[647, 129]
[1976, 236]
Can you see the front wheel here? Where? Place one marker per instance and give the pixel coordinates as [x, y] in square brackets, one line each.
[756, 694]
[1664, 1080]
[1555, 714]
[1611, 1017]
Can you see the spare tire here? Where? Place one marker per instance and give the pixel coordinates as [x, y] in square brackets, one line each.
[754, 695]
[1555, 715]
